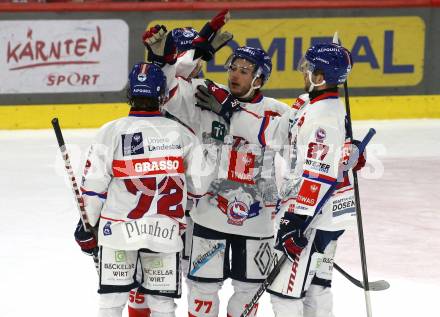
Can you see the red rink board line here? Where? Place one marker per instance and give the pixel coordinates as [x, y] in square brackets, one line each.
[207, 6]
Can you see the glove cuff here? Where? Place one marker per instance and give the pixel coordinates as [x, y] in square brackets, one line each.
[207, 32]
[161, 60]
[89, 244]
[203, 50]
[293, 220]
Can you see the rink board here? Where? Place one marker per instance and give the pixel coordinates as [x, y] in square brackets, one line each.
[81, 54]
[71, 60]
[95, 115]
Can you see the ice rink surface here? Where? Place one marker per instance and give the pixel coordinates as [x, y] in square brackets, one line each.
[43, 272]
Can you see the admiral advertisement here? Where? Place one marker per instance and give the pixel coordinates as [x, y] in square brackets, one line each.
[43, 56]
[387, 51]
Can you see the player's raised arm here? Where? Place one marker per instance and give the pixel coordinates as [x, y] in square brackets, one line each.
[211, 38]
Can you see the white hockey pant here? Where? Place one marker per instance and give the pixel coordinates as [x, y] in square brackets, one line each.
[161, 306]
[203, 299]
[112, 304]
[318, 302]
[243, 293]
[286, 307]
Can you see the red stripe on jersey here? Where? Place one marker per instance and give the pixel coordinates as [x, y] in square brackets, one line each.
[319, 177]
[257, 98]
[111, 219]
[270, 113]
[185, 79]
[286, 200]
[327, 95]
[150, 113]
[342, 191]
[252, 113]
[172, 92]
[148, 166]
[181, 54]
[195, 195]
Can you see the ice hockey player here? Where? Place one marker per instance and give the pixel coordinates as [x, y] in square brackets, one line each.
[318, 137]
[138, 174]
[233, 230]
[186, 69]
[318, 180]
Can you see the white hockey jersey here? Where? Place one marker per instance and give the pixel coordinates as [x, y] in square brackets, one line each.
[138, 173]
[315, 132]
[243, 198]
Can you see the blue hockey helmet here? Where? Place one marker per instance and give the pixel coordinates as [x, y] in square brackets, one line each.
[257, 56]
[146, 80]
[332, 59]
[183, 38]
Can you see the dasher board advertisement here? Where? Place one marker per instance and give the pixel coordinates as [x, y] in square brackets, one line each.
[57, 56]
[387, 51]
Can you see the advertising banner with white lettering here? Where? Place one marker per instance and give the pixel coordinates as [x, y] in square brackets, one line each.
[56, 56]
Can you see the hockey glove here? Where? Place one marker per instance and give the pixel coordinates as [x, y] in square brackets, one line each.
[86, 240]
[210, 38]
[160, 45]
[216, 99]
[362, 159]
[290, 238]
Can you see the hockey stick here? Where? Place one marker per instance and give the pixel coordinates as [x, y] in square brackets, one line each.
[380, 285]
[273, 274]
[73, 183]
[360, 226]
[366, 285]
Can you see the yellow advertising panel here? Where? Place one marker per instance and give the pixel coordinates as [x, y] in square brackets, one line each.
[387, 51]
[95, 115]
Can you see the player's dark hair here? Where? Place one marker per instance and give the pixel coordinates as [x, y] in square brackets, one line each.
[142, 103]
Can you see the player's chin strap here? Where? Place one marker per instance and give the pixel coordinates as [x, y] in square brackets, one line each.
[312, 84]
[252, 89]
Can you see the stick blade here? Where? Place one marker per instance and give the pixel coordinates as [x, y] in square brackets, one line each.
[379, 285]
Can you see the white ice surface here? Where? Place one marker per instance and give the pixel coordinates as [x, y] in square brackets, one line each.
[43, 273]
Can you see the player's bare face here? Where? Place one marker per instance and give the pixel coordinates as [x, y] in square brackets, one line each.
[317, 80]
[240, 76]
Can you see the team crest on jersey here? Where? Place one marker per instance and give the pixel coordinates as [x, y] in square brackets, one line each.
[132, 144]
[320, 135]
[107, 230]
[237, 212]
